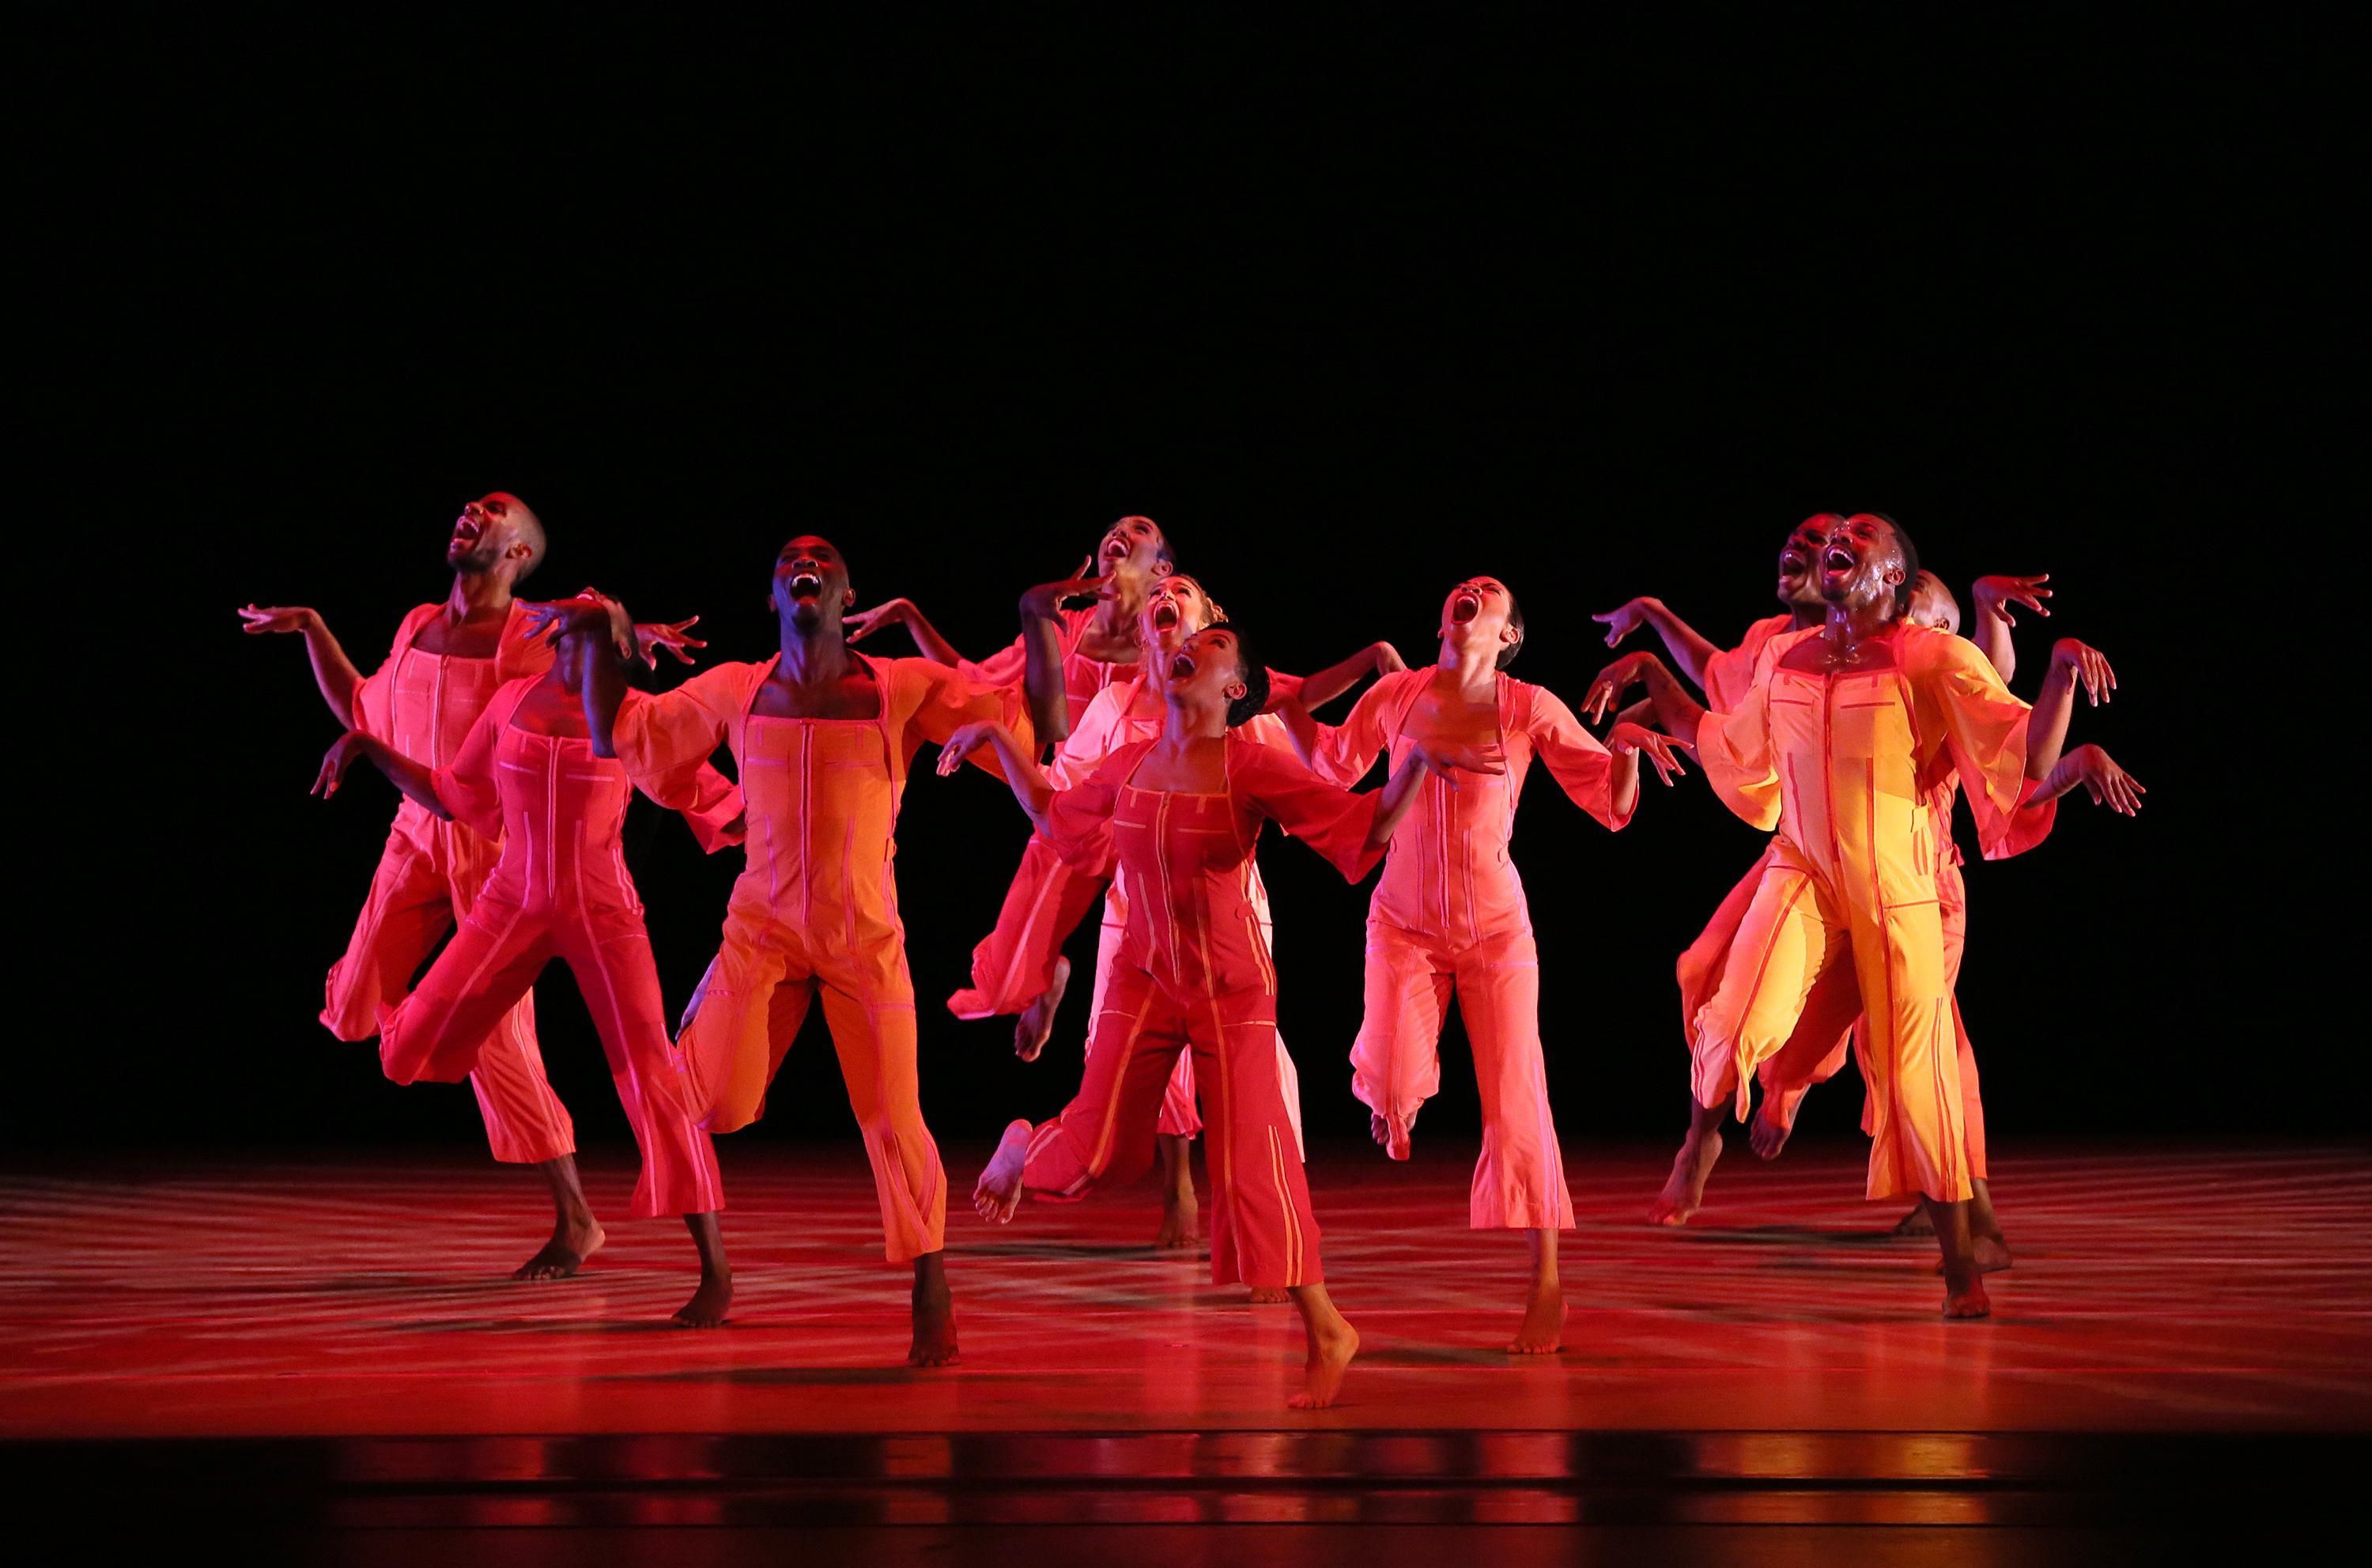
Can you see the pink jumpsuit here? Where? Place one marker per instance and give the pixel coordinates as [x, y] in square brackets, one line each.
[424, 705]
[1449, 914]
[560, 888]
[1014, 964]
[1194, 973]
[815, 910]
[1845, 765]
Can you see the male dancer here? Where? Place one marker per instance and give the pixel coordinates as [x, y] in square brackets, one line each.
[447, 661]
[1839, 742]
[1450, 912]
[822, 738]
[1181, 813]
[534, 775]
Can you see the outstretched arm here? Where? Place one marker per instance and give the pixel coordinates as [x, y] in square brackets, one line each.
[1021, 772]
[2046, 726]
[1688, 650]
[2099, 773]
[1990, 631]
[863, 624]
[332, 672]
[1317, 690]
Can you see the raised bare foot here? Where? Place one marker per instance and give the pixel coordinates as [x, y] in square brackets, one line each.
[573, 1241]
[1180, 1221]
[1269, 1295]
[1331, 1346]
[1036, 1024]
[707, 1308]
[999, 1192]
[935, 1314]
[1992, 1253]
[1915, 1223]
[1683, 1192]
[1765, 1136]
[1544, 1330]
[1969, 1303]
[1390, 1135]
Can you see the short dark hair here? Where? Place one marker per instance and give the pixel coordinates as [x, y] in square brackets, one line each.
[1253, 673]
[1515, 618]
[1905, 590]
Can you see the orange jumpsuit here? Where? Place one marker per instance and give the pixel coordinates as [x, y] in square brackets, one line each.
[1014, 964]
[560, 888]
[424, 705]
[815, 910]
[1449, 914]
[1846, 766]
[1194, 973]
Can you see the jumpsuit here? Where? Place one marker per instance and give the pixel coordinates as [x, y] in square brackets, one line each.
[1846, 766]
[1193, 973]
[560, 888]
[1450, 915]
[815, 909]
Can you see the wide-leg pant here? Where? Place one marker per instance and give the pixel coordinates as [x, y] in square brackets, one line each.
[1396, 1062]
[428, 876]
[1262, 1230]
[1014, 964]
[1798, 931]
[767, 974]
[439, 1033]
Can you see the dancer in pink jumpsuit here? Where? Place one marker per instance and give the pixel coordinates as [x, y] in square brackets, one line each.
[447, 661]
[1449, 914]
[1181, 813]
[534, 775]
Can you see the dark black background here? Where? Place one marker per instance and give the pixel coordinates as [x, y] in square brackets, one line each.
[1354, 310]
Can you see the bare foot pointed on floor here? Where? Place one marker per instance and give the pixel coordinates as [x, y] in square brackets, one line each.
[1269, 1295]
[935, 1314]
[1182, 1218]
[1969, 1303]
[1333, 1343]
[1683, 1192]
[999, 1192]
[1036, 1025]
[1766, 1136]
[707, 1306]
[1544, 1329]
[573, 1241]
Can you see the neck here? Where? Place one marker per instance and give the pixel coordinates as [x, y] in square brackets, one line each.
[1858, 620]
[1473, 664]
[1806, 616]
[478, 593]
[1187, 721]
[813, 653]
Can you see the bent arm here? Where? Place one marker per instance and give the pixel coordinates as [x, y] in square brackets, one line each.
[333, 672]
[1991, 635]
[416, 781]
[1688, 650]
[2046, 725]
[1322, 688]
[1677, 713]
[1398, 793]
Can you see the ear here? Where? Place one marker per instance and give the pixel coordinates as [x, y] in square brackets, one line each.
[1234, 691]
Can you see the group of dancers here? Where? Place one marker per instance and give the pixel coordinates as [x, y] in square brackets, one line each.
[1146, 743]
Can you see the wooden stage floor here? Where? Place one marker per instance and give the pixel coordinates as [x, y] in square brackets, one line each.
[338, 1334]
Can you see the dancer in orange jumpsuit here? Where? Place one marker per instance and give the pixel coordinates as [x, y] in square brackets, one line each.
[1722, 675]
[1449, 914]
[448, 660]
[533, 774]
[822, 738]
[1839, 742]
[1181, 813]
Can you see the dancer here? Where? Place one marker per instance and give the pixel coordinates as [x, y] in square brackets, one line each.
[1182, 813]
[448, 660]
[531, 774]
[1843, 733]
[1450, 915]
[822, 736]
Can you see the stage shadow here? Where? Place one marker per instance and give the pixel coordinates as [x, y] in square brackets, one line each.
[1787, 1234]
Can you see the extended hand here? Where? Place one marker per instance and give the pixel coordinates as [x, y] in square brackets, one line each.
[1612, 681]
[1046, 601]
[2110, 785]
[334, 764]
[276, 618]
[965, 740]
[2086, 663]
[861, 624]
[1653, 745]
[1442, 756]
[1620, 624]
[672, 636]
[1995, 594]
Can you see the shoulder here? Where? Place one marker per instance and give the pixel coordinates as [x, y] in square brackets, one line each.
[1924, 648]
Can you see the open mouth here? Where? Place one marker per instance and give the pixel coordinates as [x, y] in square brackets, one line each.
[1465, 608]
[806, 584]
[1794, 562]
[1837, 558]
[468, 530]
[1165, 614]
[1116, 546]
[1182, 667]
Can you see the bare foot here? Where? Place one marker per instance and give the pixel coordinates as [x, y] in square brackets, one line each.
[1766, 1137]
[1544, 1330]
[1180, 1221]
[1391, 1136]
[1991, 1253]
[1969, 1303]
[574, 1239]
[1036, 1024]
[1331, 1346]
[1683, 1192]
[1270, 1295]
[707, 1308]
[999, 1192]
[1915, 1223]
[935, 1314]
